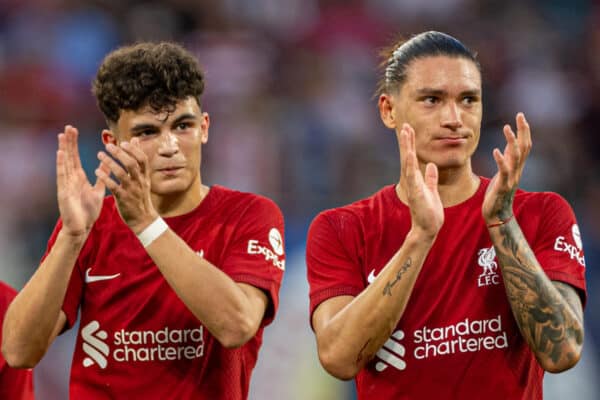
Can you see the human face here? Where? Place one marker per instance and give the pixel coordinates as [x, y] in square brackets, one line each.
[171, 141]
[441, 100]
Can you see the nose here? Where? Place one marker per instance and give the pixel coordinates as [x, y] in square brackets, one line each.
[451, 117]
[169, 144]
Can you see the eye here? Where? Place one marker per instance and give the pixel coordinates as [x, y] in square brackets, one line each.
[183, 126]
[469, 100]
[144, 133]
[430, 100]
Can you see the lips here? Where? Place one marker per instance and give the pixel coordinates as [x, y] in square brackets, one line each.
[169, 168]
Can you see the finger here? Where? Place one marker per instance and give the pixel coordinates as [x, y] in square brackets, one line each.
[410, 164]
[134, 150]
[524, 134]
[110, 165]
[431, 177]
[61, 175]
[64, 145]
[74, 148]
[100, 186]
[512, 151]
[104, 178]
[503, 169]
[403, 150]
[130, 164]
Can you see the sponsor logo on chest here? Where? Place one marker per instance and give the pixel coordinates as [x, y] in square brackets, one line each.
[466, 336]
[126, 346]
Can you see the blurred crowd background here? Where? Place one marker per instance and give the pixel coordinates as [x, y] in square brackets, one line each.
[289, 89]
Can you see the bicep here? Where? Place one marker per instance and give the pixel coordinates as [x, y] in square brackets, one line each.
[327, 310]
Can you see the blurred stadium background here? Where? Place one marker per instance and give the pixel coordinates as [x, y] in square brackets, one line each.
[289, 91]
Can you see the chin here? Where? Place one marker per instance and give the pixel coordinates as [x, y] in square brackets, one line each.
[169, 188]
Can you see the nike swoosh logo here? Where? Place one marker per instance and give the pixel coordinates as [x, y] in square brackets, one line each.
[95, 278]
[371, 276]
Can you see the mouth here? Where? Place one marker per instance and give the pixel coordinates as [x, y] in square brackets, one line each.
[170, 170]
[452, 139]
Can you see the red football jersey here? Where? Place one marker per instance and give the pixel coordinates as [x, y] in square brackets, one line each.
[457, 338]
[15, 384]
[137, 340]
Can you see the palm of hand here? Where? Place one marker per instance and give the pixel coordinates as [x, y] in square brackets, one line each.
[80, 204]
[427, 210]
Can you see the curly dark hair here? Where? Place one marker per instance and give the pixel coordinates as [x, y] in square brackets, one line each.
[155, 74]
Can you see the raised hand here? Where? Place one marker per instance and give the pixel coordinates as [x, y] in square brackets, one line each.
[498, 201]
[426, 209]
[132, 191]
[78, 201]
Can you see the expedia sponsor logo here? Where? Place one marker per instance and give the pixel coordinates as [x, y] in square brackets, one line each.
[271, 255]
[141, 346]
[574, 251]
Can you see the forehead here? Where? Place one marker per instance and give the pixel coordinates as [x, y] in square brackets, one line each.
[147, 115]
[451, 74]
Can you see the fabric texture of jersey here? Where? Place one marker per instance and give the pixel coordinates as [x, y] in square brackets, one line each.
[15, 384]
[137, 340]
[457, 338]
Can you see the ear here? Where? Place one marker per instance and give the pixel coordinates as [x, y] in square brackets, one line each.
[108, 137]
[386, 110]
[204, 125]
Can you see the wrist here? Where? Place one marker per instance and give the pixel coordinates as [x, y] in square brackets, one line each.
[152, 231]
[76, 239]
[420, 236]
[501, 220]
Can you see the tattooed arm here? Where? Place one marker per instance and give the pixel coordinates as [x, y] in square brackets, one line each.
[549, 314]
[350, 330]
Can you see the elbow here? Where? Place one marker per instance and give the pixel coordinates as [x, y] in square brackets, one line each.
[237, 333]
[566, 362]
[336, 366]
[18, 359]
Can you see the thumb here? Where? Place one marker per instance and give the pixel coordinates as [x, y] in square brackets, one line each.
[431, 176]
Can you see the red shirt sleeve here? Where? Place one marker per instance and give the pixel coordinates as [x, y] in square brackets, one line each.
[558, 246]
[333, 267]
[74, 290]
[15, 384]
[256, 253]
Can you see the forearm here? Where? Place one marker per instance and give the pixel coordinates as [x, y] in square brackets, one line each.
[552, 327]
[211, 295]
[351, 338]
[30, 321]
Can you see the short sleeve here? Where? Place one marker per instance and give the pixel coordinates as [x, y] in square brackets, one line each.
[74, 290]
[332, 270]
[558, 245]
[256, 252]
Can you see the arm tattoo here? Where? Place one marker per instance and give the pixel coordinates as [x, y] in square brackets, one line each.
[546, 317]
[387, 290]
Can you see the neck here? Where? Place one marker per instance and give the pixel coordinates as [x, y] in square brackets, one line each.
[180, 203]
[455, 185]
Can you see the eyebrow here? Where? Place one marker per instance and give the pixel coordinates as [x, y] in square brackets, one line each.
[151, 126]
[440, 92]
[183, 117]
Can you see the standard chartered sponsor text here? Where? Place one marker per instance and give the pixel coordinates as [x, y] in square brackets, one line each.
[463, 337]
[161, 345]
